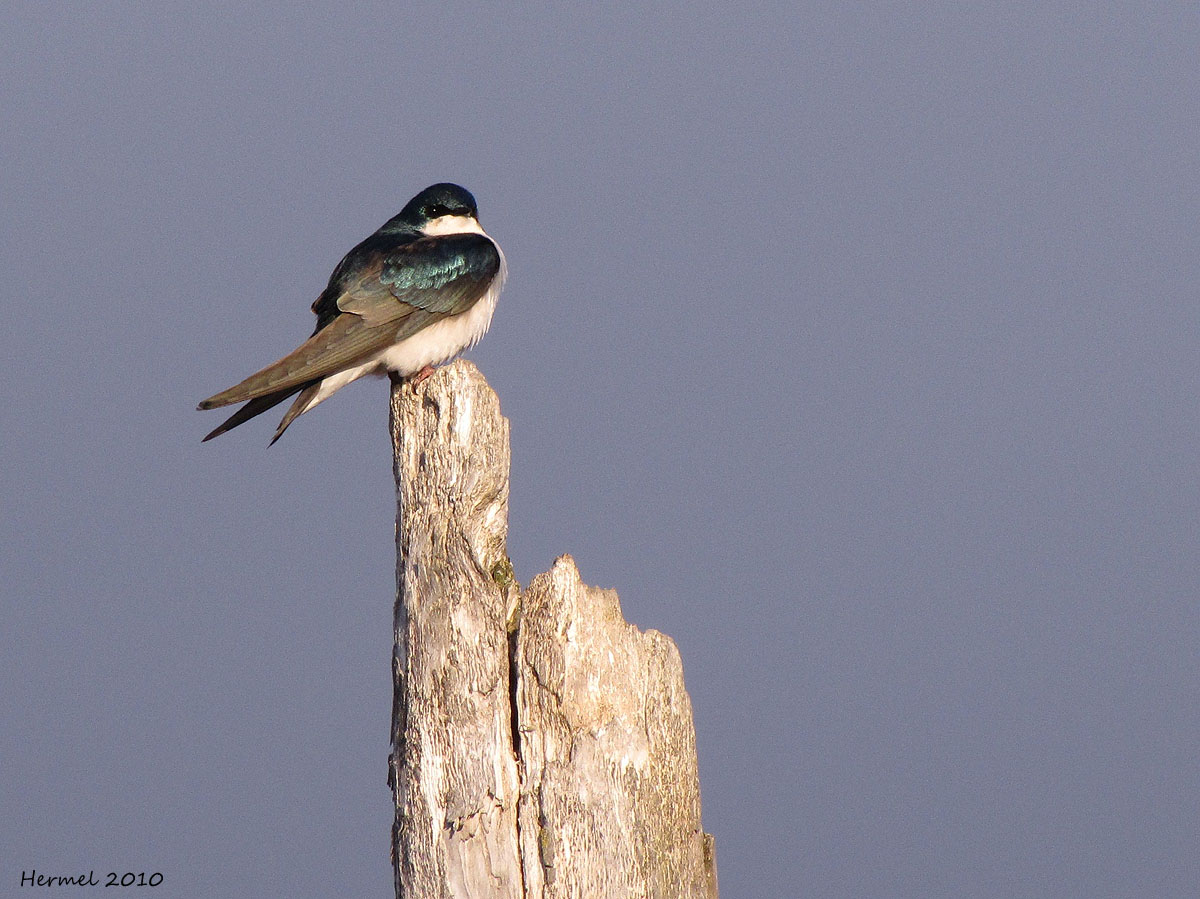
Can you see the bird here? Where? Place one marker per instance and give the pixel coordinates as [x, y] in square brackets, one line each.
[413, 295]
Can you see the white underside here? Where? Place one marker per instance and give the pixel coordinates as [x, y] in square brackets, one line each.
[433, 344]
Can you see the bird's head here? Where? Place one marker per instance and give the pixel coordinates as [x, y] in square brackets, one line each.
[441, 209]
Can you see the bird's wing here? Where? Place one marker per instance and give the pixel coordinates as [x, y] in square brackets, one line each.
[442, 275]
[389, 297]
[347, 340]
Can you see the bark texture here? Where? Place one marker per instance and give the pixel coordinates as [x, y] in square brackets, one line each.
[542, 747]
[608, 753]
[453, 771]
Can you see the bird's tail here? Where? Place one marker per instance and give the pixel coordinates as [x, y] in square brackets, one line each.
[261, 404]
[302, 405]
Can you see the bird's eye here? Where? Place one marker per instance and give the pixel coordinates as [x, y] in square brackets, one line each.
[435, 210]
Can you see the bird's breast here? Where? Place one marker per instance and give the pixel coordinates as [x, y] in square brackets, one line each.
[444, 339]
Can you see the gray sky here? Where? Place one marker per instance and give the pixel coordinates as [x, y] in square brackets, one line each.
[854, 344]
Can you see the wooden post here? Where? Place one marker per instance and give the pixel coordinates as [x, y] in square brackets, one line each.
[541, 746]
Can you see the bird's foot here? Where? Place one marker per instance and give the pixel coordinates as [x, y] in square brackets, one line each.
[422, 375]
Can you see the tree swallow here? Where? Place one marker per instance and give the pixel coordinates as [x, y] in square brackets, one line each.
[414, 294]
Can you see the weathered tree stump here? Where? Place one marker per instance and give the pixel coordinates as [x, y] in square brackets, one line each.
[541, 746]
